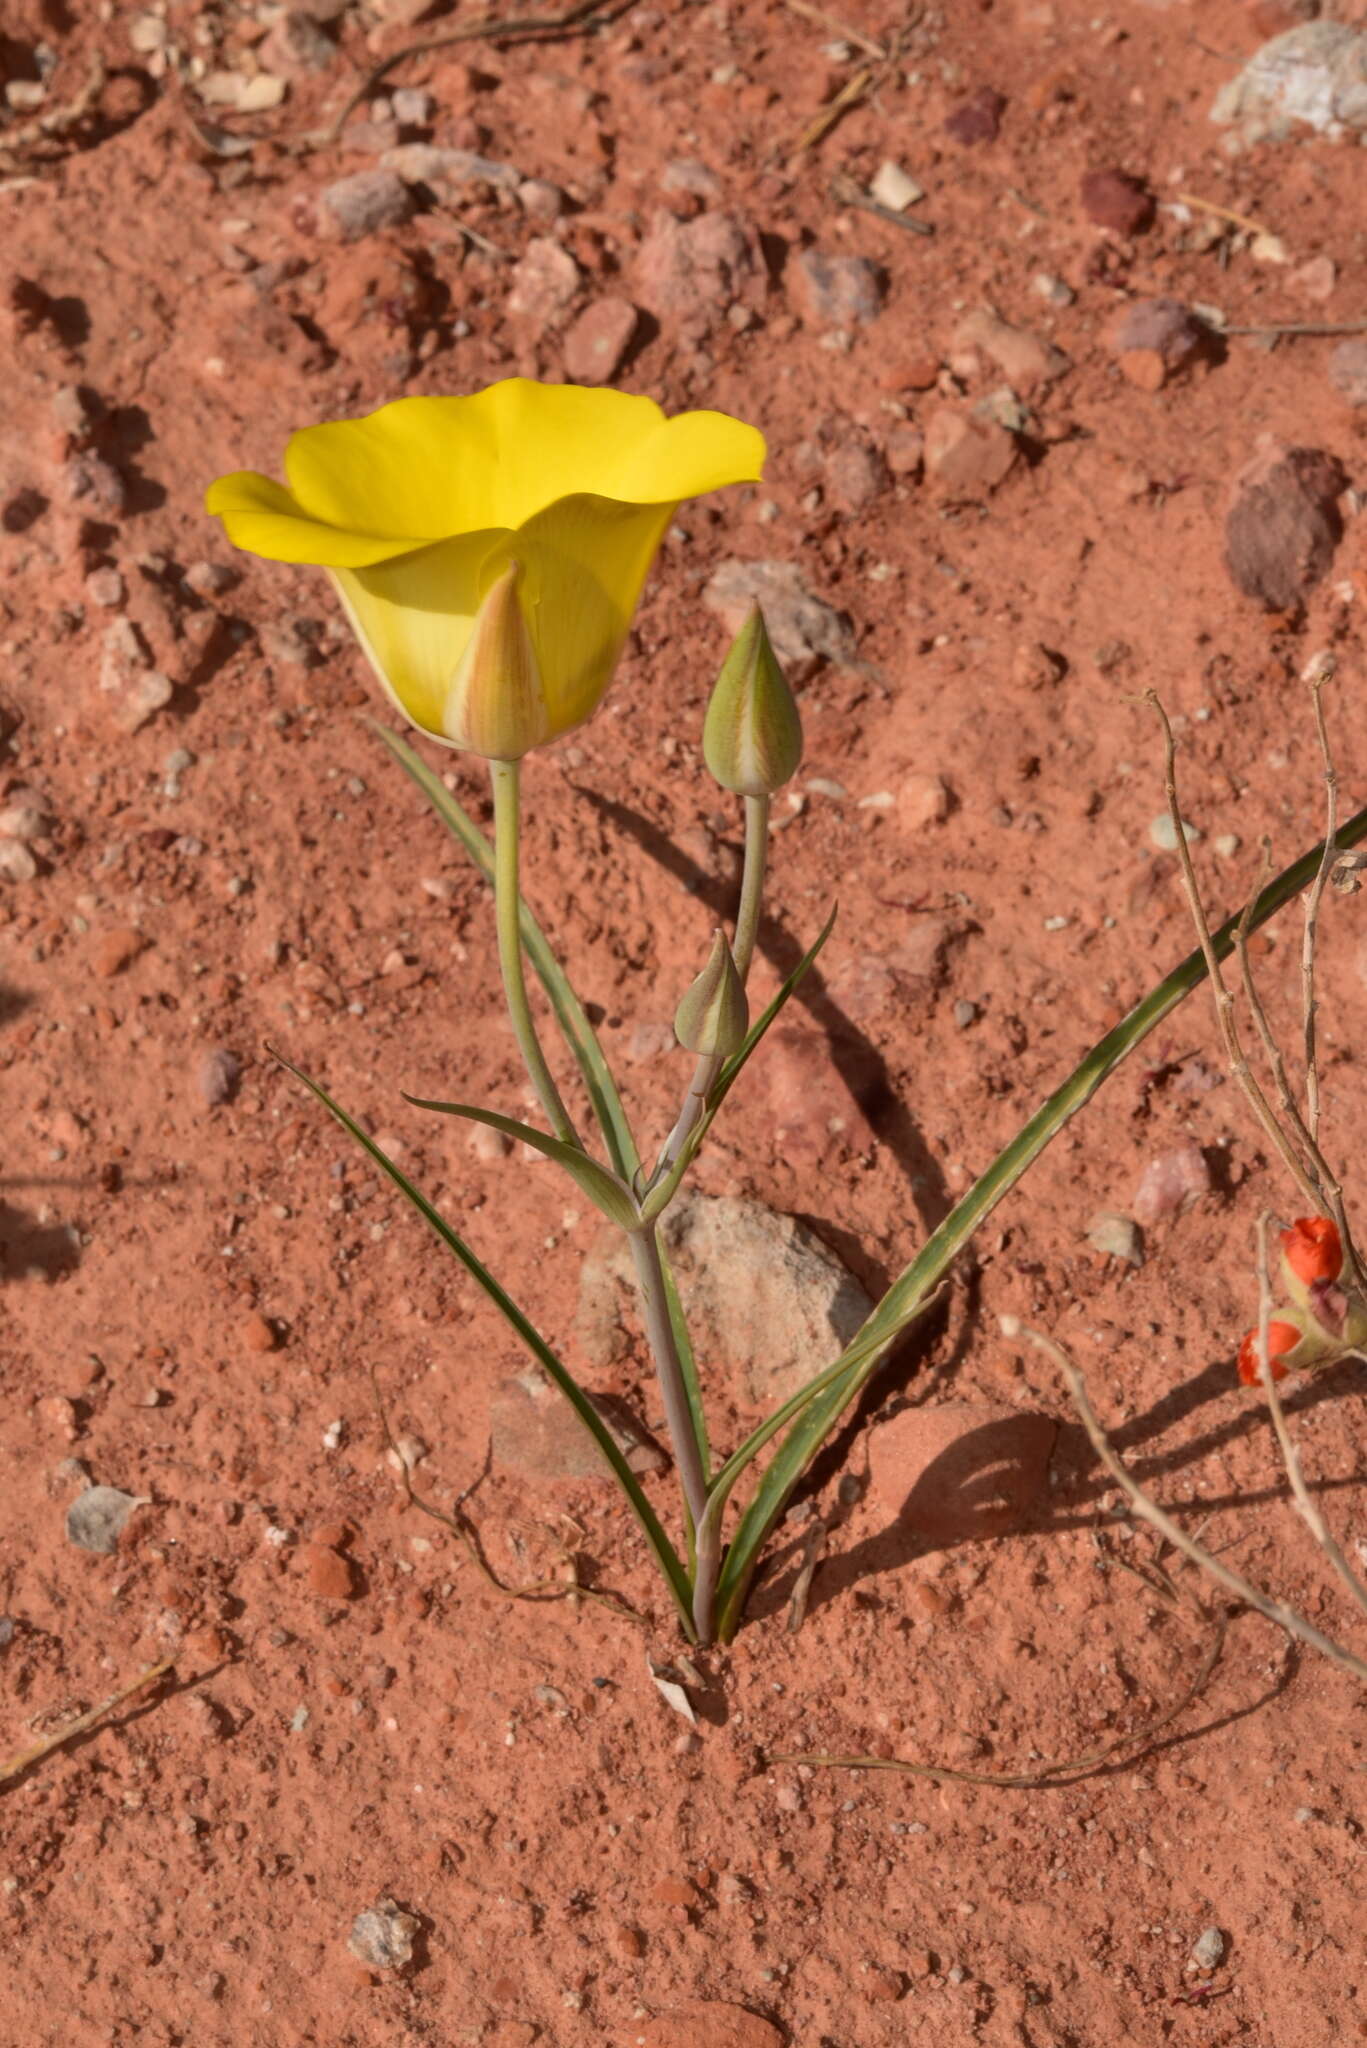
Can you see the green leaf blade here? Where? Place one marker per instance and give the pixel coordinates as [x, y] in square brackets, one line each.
[603, 1189]
[665, 1554]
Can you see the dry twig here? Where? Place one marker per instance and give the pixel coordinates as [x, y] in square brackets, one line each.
[1065, 1768]
[491, 28]
[460, 1525]
[1149, 1511]
[1238, 220]
[57, 121]
[1301, 327]
[846, 192]
[17, 1765]
[1291, 1457]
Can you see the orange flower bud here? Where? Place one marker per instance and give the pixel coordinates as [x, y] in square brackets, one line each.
[1313, 1249]
[1281, 1338]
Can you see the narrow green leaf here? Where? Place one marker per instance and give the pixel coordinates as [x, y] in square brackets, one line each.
[603, 1189]
[906, 1296]
[570, 1015]
[541, 1351]
[579, 1034]
[663, 1193]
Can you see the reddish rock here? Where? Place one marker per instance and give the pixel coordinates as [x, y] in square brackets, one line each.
[835, 291]
[1169, 1183]
[116, 950]
[543, 282]
[904, 451]
[296, 46]
[1155, 339]
[217, 1076]
[1115, 200]
[597, 343]
[366, 202]
[1348, 370]
[923, 800]
[967, 454]
[695, 269]
[978, 118]
[708, 2024]
[1024, 360]
[918, 373]
[855, 474]
[534, 1430]
[1284, 524]
[328, 1575]
[883, 1987]
[258, 1334]
[961, 1469]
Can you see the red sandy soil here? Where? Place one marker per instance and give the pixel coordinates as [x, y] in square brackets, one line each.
[582, 1866]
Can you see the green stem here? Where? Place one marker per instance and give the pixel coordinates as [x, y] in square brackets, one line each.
[505, 776]
[650, 1281]
[752, 883]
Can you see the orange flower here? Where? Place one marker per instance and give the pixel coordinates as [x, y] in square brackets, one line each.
[1313, 1249]
[1281, 1339]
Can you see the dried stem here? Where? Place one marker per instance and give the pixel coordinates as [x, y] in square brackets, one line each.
[467, 1535]
[1224, 999]
[17, 1765]
[1064, 1768]
[1319, 672]
[1291, 1457]
[1149, 1511]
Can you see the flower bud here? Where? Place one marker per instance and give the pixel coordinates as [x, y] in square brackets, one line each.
[1313, 1249]
[713, 1017]
[496, 703]
[752, 738]
[1282, 1340]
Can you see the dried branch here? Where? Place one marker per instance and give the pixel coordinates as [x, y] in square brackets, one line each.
[17, 1765]
[1319, 671]
[491, 28]
[1291, 1457]
[1149, 1511]
[466, 1533]
[1224, 999]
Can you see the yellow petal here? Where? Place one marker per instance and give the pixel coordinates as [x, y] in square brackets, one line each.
[585, 560]
[414, 616]
[262, 517]
[496, 706]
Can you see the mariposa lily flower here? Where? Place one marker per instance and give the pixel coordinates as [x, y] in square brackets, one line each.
[545, 501]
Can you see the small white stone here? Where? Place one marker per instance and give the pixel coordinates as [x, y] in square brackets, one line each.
[893, 188]
[1209, 1949]
[1163, 833]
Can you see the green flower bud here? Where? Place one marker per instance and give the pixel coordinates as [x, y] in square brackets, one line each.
[714, 1016]
[752, 738]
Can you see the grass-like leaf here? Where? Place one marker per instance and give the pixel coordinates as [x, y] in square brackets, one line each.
[603, 1189]
[828, 1397]
[540, 1350]
[578, 1033]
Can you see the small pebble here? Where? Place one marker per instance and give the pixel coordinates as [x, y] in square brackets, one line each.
[258, 1334]
[382, 1938]
[1209, 1950]
[1163, 833]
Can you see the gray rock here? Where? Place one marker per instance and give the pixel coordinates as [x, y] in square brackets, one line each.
[1348, 370]
[382, 1938]
[1316, 73]
[1209, 1950]
[804, 629]
[96, 1517]
[367, 201]
[836, 291]
[769, 1305]
[423, 163]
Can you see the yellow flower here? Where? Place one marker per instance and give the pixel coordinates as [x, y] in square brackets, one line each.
[548, 496]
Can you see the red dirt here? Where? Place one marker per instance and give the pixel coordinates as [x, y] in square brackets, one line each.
[199, 1275]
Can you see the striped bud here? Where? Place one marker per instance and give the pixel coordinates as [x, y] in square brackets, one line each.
[496, 705]
[752, 738]
[714, 1016]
